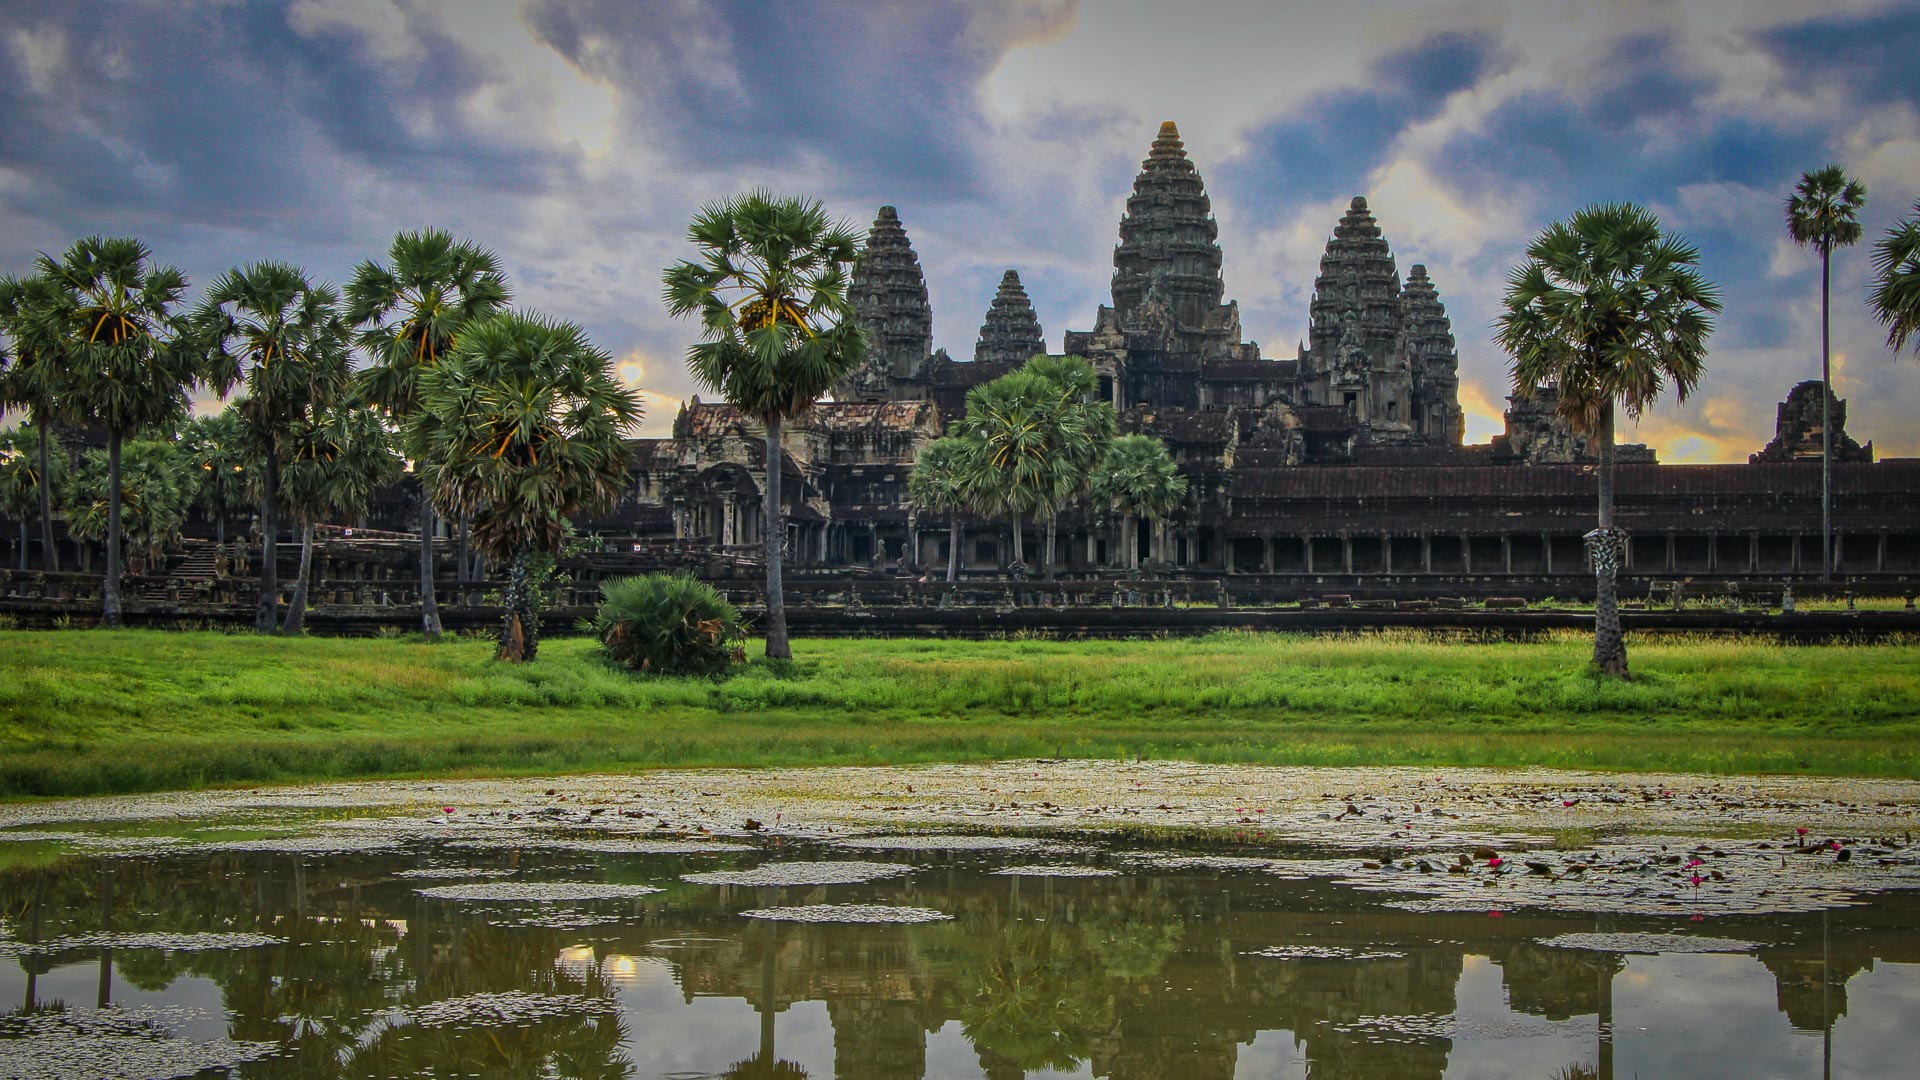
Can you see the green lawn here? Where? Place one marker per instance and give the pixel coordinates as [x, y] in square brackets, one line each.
[96, 711]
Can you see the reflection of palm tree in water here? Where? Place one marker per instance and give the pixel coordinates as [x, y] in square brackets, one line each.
[764, 1065]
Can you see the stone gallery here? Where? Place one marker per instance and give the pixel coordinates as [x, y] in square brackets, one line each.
[1345, 459]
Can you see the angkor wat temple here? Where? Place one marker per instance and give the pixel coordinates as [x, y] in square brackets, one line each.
[1345, 459]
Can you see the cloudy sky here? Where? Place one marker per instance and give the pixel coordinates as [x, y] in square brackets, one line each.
[577, 137]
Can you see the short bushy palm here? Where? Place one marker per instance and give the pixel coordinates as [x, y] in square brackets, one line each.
[410, 312]
[283, 339]
[26, 483]
[155, 489]
[778, 330]
[669, 624]
[334, 466]
[942, 482]
[1896, 282]
[1139, 481]
[117, 325]
[522, 426]
[1824, 212]
[1040, 436]
[1610, 311]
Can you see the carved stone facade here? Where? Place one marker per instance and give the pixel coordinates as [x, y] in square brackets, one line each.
[1346, 459]
[1797, 425]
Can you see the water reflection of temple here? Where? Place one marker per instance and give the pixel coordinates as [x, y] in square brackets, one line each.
[1132, 978]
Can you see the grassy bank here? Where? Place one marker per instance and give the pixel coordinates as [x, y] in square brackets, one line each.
[94, 711]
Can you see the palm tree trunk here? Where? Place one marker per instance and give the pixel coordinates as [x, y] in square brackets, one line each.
[266, 612]
[219, 523]
[1133, 542]
[1048, 570]
[460, 568]
[429, 606]
[953, 546]
[519, 638]
[1609, 645]
[49, 555]
[1019, 544]
[1826, 427]
[23, 545]
[297, 610]
[110, 608]
[775, 531]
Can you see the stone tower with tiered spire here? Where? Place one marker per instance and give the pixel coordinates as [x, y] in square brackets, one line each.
[890, 293]
[1011, 334]
[1354, 357]
[1168, 238]
[1428, 347]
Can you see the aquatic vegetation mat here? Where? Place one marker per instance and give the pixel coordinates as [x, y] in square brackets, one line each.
[127, 1044]
[433, 872]
[1323, 952]
[1652, 944]
[202, 942]
[508, 1009]
[1062, 870]
[803, 873]
[940, 842]
[874, 914]
[543, 892]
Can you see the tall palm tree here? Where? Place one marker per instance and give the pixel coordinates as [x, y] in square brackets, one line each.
[283, 338]
[942, 483]
[410, 313]
[1041, 433]
[334, 465]
[116, 316]
[1609, 310]
[522, 426]
[1139, 481]
[1824, 211]
[32, 372]
[1896, 282]
[216, 446]
[778, 330]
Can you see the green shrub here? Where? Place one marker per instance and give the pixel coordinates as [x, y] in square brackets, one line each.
[662, 624]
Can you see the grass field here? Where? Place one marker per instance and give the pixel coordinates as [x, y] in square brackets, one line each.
[95, 711]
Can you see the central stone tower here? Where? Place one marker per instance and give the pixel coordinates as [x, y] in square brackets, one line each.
[1168, 238]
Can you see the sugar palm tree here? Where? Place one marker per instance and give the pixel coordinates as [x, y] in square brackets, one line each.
[32, 371]
[116, 319]
[777, 330]
[522, 426]
[270, 330]
[1139, 481]
[942, 483]
[1896, 282]
[154, 492]
[334, 465]
[1824, 211]
[216, 446]
[28, 475]
[1091, 421]
[410, 313]
[1610, 311]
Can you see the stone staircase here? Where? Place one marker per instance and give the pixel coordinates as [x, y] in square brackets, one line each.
[193, 569]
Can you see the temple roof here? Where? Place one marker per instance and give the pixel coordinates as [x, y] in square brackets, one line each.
[1011, 333]
[890, 293]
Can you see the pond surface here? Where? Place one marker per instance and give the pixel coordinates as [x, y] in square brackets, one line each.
[410, 947]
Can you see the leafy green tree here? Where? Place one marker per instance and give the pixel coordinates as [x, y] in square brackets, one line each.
[155, 490]
[778, 330]
[24, 487]
[33, 370]
[410, 313]
[1088, 423]
[1896, 282]
[218, 448]
[129, 356]
[521, 426]
[334, 465]
[942, 483]
[1139, 481]
[1824, 211]
[1609, 310]
[668, 624]
[269, 329]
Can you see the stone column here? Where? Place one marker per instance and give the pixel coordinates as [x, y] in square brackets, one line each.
[1796, 551]
[1426, 553]
[1506, 553]
[1669, 551]
[729, 520]
[1713, 551]
[1838, 561]
[1307, 549]
[1386, 554]
[1546, 551]
[1466, 553]
[1346, 554]
[1753, 553]
[1880, 554]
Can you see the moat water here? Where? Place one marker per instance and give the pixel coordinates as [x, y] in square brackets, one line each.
[192, 950]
